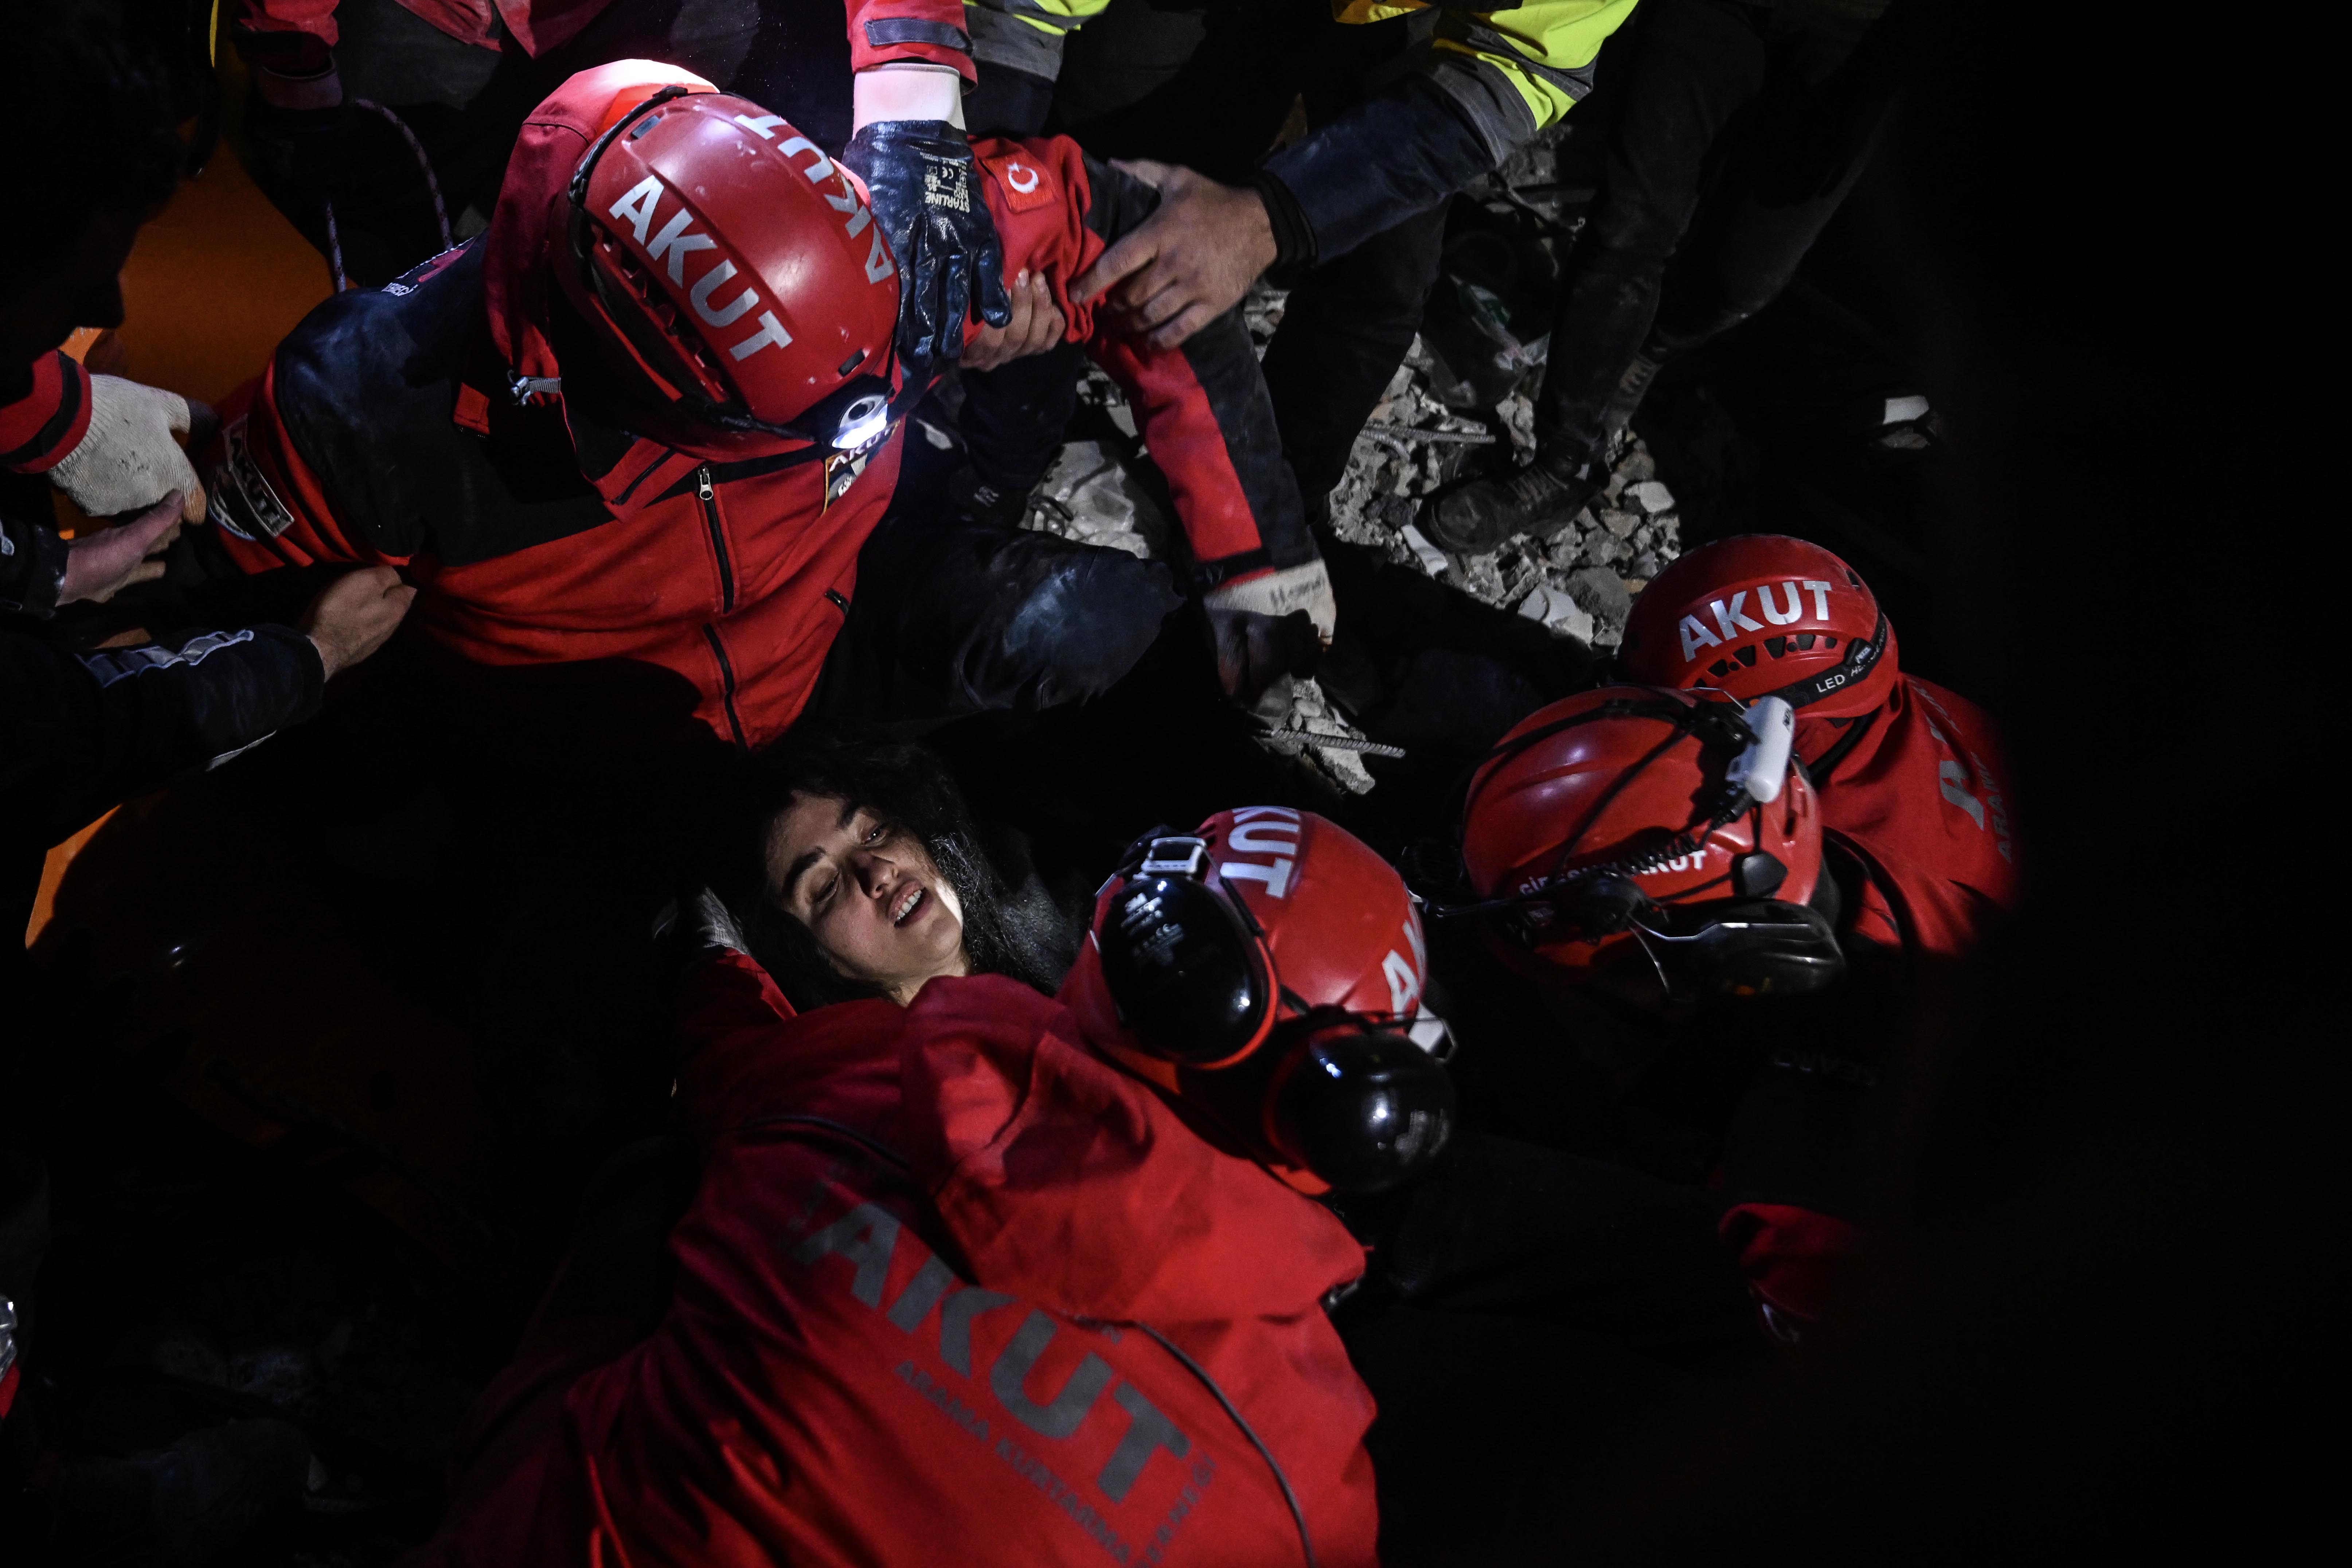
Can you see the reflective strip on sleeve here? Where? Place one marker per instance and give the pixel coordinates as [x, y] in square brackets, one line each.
[1545, 49]
[112, 664]
[1058, 17]
[892, 30]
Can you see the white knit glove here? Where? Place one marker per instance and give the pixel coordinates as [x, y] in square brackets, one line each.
[1277, 594]
[128, 460]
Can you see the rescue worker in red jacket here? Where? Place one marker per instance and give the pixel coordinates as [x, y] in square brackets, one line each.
[1655, 861]
[952, 1286]
[455, 78]
[974, 1199]
[1909, 774]
[655, 412]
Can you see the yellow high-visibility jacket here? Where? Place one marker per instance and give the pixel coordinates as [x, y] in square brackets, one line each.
[1512, 70]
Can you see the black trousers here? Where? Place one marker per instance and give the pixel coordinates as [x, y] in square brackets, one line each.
[953, 618]
[1531, 1323]
[1744, 129]
[1211, 92]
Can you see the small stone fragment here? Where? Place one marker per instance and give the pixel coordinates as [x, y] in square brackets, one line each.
[1601, 592]
[1652, 495]
[1904, 410]
[1558, 612]
[1620, 523]
[1433, 560]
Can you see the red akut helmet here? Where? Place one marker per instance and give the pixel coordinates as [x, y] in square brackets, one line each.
[1656, 828]
[1268, 969]
[737, 266]
[1763, 615]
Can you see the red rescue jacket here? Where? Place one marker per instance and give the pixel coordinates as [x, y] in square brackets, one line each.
[1915, 792]
[386, 429]
[953, 1290]
[1919, 796]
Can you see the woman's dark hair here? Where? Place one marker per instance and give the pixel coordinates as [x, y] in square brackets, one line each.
[1003, 932]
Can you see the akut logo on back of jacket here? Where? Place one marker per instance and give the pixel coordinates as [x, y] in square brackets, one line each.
[669, 246]
[868, 1235]
[1731, 616]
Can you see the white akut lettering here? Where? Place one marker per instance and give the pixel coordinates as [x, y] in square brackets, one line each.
[1255, 830]
[637, 206]
[1795, 612]
[1691, 862]
[1821, 593]
[1404, 974]
[1735, 618]
[878, 260]
[674, 243]
[1265, 838]
[725, 315]
[1694, 637]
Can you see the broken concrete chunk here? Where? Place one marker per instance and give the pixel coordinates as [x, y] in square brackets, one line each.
[1601, 592]
[1100, 503]
[1652, 495]
[1902, 410]
[1637, 464]
[1620, 523]
[1433, 560]
[1557, 612]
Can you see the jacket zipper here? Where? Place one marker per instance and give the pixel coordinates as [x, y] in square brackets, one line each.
[702, 487]
[704, 492]
[726, 685]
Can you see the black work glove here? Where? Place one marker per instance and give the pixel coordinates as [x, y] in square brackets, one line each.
[926, 196]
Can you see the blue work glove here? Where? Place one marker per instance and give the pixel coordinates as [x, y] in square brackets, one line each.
[926, 194]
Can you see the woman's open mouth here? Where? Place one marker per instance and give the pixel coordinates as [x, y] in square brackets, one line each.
[908, 902]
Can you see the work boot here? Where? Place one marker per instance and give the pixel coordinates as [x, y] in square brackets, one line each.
[198, 1502]
[1480, 515]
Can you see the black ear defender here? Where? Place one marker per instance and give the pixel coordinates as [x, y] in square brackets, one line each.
[1362, 1108]
[1188, 970]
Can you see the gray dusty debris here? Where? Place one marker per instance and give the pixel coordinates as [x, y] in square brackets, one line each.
[1628, 536]
[1580, 584]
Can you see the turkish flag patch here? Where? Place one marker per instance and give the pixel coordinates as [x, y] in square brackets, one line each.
[1028, 183]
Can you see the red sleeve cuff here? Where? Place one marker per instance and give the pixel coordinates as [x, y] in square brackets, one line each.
[931, 32]
[38, 429]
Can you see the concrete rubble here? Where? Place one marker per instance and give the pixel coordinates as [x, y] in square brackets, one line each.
[1578, 583]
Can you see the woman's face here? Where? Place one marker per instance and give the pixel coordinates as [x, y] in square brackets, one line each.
[867, 892]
